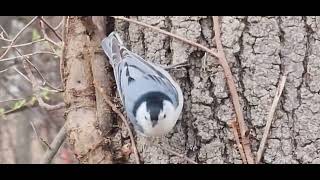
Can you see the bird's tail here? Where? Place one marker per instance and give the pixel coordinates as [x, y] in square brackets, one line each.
[113, 48]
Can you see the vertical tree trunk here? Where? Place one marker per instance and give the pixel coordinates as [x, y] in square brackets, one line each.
[85, 127]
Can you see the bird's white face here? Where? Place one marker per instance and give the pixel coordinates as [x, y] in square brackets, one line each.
[167, 118]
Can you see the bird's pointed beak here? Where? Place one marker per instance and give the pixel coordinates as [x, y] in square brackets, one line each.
[154, 122]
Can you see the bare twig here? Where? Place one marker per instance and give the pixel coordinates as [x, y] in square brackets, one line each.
[55, 146]
[4, 32]
[227, 71]
[2, 71]
[45, 35]
[228, 74]
[270, 117]
[51, 41]
[23, 56]
[24, 76]
[18, 34]
[27, 55]
[36, 88]
[233, 91]
[35, 67]
[51, 86]
[25, 44]
[50, 27]
[135, 151]
[33, 81]
[14, 110]
[51, 107]
[233, 125]
[8, 100]
[23, 107]
[169, 34]
[45, 82]
[38, 137]
[64, 32]
[60, 24]
[4, 39]
[176, 154]
[29, 102]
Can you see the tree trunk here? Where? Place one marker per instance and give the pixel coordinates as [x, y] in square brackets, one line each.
[86, 126]
[258, 49]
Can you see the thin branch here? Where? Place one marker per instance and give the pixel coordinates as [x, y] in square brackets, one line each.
[25, 44]
[27, 55]
[64, 32]
[37, 135]
[176, 154]
[45, 81]
[135, 151]
[270, 118]
[36, 88]
[50, 27]
[24, 76]
[16, 37]
[60, 24]
[51, 107]
[45, 35]
[169, 34]
[21, 108]
[36, 70]
[43, 78]
[14, 110]
[233, 91]
[233, 125]
[4, 32]
[2, 71]
[4, 39]
[28, 103]
[8, 100]
[55, 146]
[51, 41]
[227, 71]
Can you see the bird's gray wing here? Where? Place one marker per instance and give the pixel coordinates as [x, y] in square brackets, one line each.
[140, 74]
[134, 75]
[128, 67]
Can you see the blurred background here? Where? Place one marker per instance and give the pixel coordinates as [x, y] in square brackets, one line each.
[26, 128]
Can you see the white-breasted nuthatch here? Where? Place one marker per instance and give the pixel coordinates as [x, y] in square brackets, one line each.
[152, 99]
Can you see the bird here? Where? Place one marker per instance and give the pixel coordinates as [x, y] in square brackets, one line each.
[152, 99]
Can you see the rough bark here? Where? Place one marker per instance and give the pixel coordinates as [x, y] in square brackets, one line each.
[84, 124]
[258, 50]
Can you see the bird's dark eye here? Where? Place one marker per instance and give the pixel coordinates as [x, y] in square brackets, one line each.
[164, 116]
